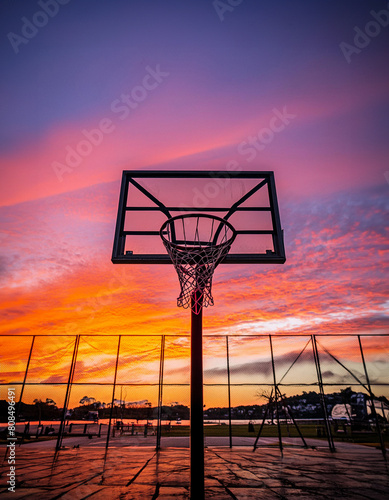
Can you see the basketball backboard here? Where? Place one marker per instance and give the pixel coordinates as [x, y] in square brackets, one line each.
[246, 199]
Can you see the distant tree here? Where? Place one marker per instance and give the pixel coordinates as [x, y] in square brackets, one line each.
[267, 395]
[38, 404]
[384, 399]
[345, 395]
[87, 401]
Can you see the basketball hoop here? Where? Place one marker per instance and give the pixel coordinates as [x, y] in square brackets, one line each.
[196, 244]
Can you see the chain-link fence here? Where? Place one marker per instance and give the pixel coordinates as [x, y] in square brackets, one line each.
[258, 390]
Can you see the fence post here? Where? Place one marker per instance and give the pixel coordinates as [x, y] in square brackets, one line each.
[24, 380]
[67, 395]
[322, 396]
[371, 395]
[275, 395]
[20, 397]
[113, 394]
[229, 394]
[160, 392]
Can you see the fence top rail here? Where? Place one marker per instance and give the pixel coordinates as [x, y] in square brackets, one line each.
[159, 335]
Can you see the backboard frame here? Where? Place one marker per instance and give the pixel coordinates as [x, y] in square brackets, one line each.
[265, 178]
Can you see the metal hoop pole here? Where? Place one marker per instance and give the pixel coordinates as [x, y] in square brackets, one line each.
[196, 402]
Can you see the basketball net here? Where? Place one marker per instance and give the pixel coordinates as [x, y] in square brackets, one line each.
[196, 244]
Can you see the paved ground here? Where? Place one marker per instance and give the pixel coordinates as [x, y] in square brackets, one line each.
[140, 473]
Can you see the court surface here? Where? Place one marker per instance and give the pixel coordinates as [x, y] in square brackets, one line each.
[139, 472]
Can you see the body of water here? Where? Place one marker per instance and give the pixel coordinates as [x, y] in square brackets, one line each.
[126, 421]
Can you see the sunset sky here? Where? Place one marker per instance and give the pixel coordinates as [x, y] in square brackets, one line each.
[191, 85]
